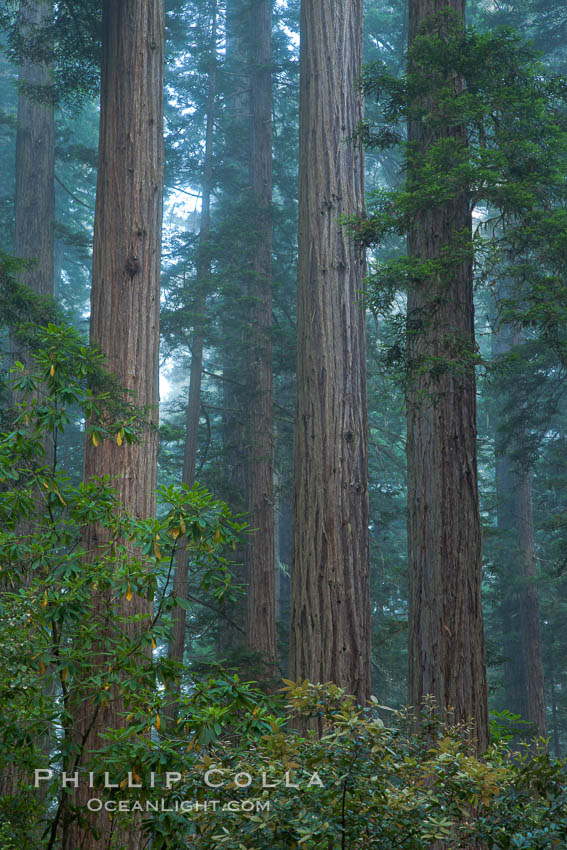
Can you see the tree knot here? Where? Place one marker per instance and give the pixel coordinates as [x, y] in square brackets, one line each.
[132, 266]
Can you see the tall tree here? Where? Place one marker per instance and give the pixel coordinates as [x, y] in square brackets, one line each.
[125, 309]
[330, 608]
[235, 209]
[261, 550]
[523, 663]
[176, 646]
[246, 347]
[34, 205]
[35, 156]
[446, 638]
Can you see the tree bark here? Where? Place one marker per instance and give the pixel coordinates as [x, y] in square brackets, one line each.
[35, 162]
[176, 645]
[125, 313]
[446, 639]
[261, 550]
[330, 609]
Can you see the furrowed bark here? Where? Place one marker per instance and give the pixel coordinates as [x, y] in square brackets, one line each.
[125, 322]
[446, 638]
[330, 612]
[261, 549]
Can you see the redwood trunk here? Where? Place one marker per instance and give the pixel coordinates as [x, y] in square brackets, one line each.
[125, 306]
[261, 550]
[330, 610]
[35, 163]
[529, 608]
[523, 664]
[176, 646]
[232, 635]
[446, 639]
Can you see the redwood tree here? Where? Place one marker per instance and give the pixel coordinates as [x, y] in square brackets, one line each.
[446, 639]
[330, 611]
[247, 353]
[523, 663]
[125, 309]
[35, 158]
[34, 204]
[261, 550]
[176, 646]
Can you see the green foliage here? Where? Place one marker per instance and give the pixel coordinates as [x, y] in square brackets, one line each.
[234, 775]
[362, 784]
[58, 599]
[505, 726]
[21, 310]
[68, 42]
[359, 784]
[498, 139]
